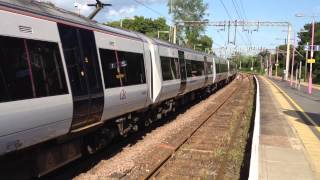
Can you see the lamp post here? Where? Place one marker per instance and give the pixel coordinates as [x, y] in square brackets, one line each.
[311, 50]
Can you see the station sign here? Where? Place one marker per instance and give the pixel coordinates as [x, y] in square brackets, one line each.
[311, 61]
[308, 47]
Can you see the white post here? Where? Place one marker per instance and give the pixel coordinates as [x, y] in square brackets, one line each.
[175, 34]
[293, 56]
[300, 66]
[288, 51]
[296, 82]
[306, 64]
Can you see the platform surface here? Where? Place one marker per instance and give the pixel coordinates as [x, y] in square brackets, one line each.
[289, 142]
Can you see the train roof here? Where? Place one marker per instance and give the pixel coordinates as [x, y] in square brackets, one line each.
[167, 44]
[51, 11]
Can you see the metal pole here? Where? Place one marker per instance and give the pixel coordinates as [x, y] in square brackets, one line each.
[312, 44]
[300, 66]
[288, 52]
[296, 82]
[277, 62]
[175, 34]
[306, 64]
[261, 64]
[229, 32]
[293, 55]
[170, 33]
[267, 67]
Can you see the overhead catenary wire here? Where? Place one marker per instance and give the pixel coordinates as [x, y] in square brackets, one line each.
[153, 10]
[228, 13]
[241, 17]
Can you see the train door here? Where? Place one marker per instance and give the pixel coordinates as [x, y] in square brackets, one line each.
[81, 57]
[183, 72]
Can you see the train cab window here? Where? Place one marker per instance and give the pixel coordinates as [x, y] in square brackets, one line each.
[170, 68]
[29, 69]
[122, 68]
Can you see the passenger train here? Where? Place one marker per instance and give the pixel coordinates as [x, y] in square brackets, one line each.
[68, 83]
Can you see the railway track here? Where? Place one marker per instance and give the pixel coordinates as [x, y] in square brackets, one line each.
[197, 150]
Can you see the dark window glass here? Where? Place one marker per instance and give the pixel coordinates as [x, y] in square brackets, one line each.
[14, 70]
[127, 70]
[29, 69]
[91, 64]
[223, 68]
[170, 68]
[72, 56]
[175, 61]
[109, 66]
[132, 67]
[47, 69]
[189, 68]
[217, 67]
[197, 68]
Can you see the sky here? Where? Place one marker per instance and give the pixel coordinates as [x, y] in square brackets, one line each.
[251, 10]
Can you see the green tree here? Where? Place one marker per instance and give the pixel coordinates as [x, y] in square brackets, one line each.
[189, 10]
[206, 43]
[147, 26]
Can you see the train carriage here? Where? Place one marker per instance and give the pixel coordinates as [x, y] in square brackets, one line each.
[66, 80]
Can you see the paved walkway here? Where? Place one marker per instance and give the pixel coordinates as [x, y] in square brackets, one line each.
[289, 144]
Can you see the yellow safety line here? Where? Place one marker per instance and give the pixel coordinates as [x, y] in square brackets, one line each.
[308, 138]
[296, 105]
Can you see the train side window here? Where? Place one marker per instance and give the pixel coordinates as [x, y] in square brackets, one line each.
[224, 68]
[30, 69]
[132, 66]
[122, 68]
[109, 67]
[165, 68]
[169, 67]
[47, 70]
[197, 68]
[15, 74]
[217, 67]
[189, 68]
[177, 67]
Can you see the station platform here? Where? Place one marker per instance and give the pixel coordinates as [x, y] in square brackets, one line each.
[289, 139]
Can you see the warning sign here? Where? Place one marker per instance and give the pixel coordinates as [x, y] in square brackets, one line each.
[123, 94]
